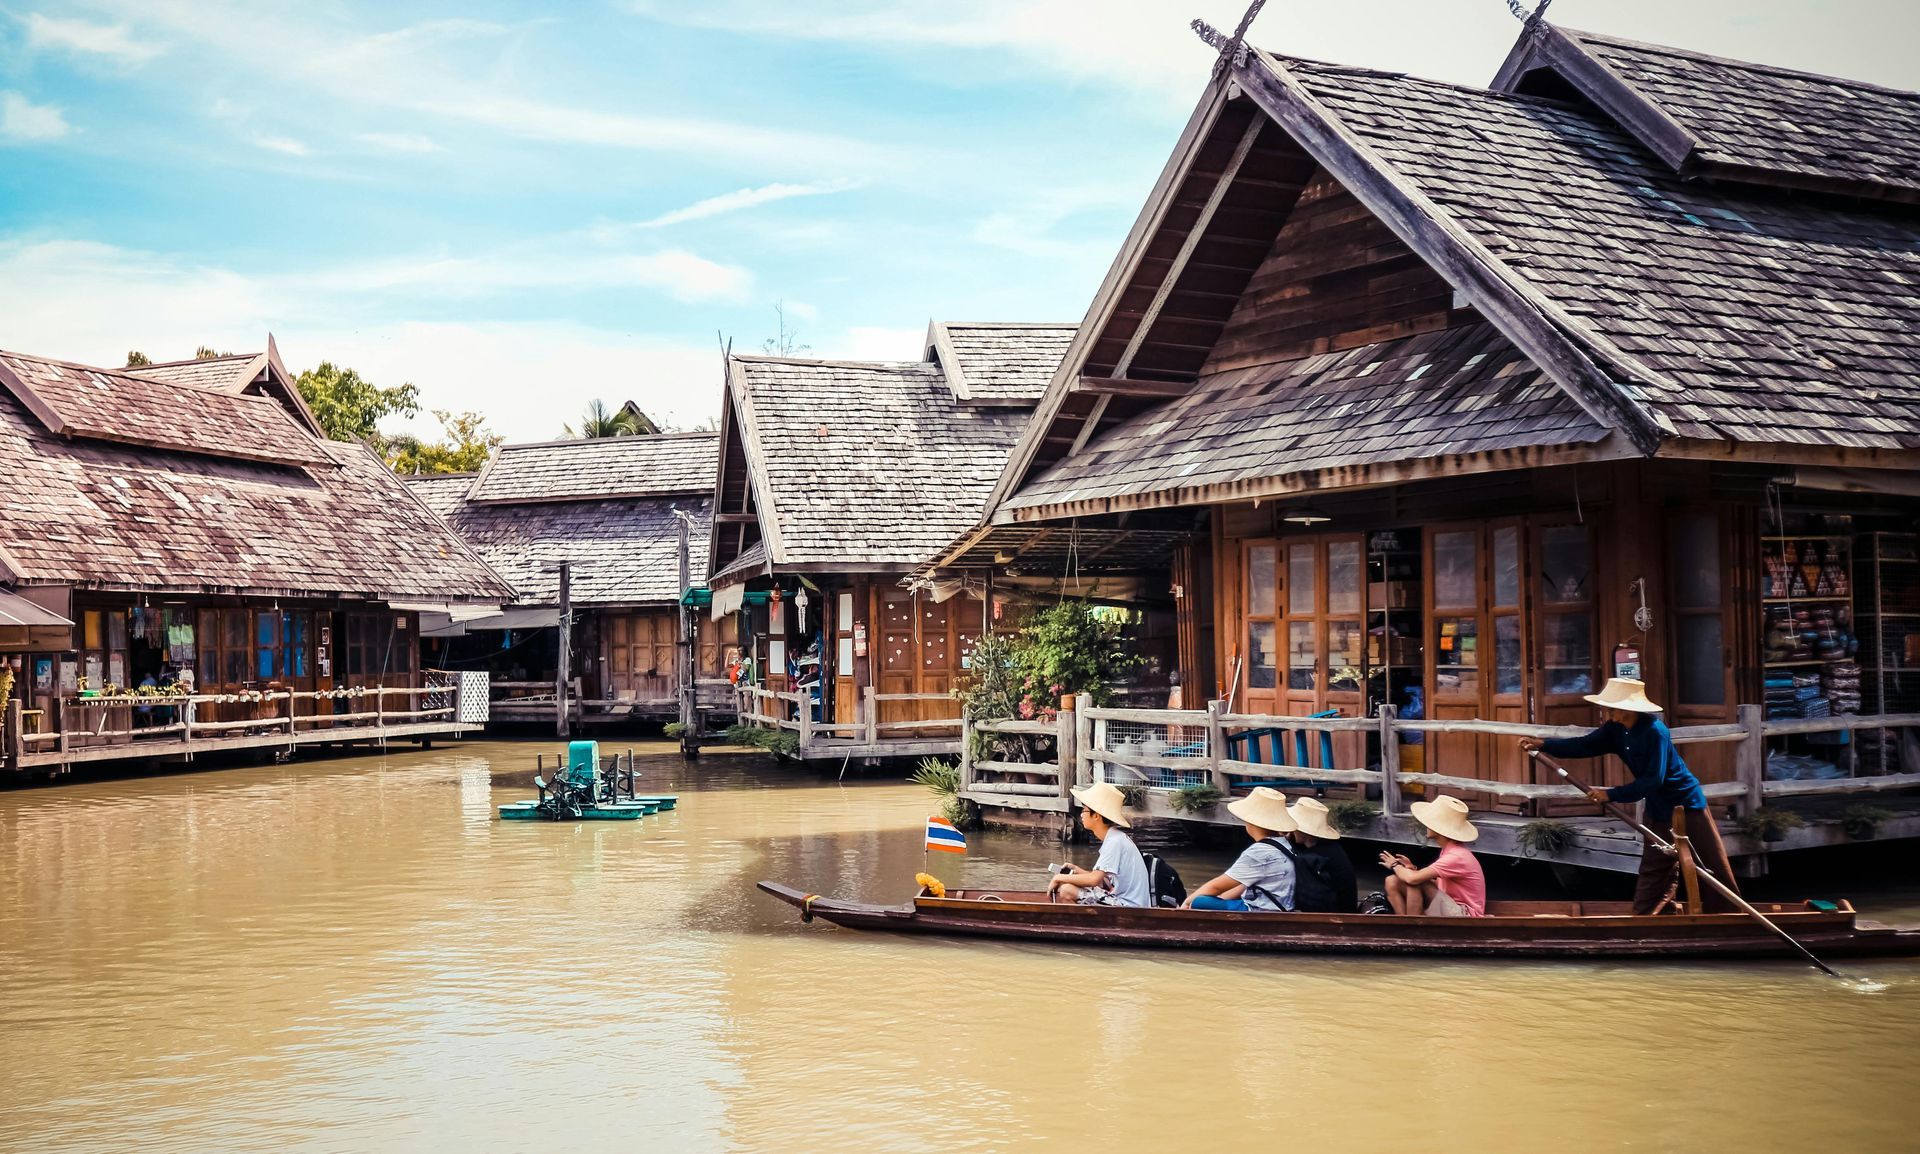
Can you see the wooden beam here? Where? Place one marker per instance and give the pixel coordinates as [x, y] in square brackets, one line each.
[1091, 423]
[1191, 242]
[735, 518]
[1132, 387]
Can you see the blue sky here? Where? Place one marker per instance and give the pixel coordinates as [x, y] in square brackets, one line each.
[520, 207]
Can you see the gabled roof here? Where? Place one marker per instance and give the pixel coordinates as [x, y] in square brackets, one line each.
[997, 363]
[1681, 317]
[261, 373]
[111, 405]
[444, 493]
[1731, 120]
[116, 513]
[600, 468]
[862, 466]
[623, 552]
[1442, 394]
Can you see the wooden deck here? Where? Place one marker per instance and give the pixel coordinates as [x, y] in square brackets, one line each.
[867, 737]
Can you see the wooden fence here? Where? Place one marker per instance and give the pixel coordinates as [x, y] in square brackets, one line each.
[777, 709]
[1169, 749]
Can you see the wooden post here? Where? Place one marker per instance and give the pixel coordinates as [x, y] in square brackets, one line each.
[873, 715]
[1216, 746]
[1684, 847]
[1066, 727]
[1751, 761]
[16, 740]
[1390, 799]
[187, 709]
[966, 747]
[1082, 745]
[62, 743]
[562, 676]
[688, 743]
[292, 713]
[805, 709]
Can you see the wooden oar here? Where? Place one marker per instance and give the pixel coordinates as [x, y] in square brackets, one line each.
[1665, 846]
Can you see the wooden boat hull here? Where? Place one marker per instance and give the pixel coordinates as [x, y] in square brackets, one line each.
[1513, 929]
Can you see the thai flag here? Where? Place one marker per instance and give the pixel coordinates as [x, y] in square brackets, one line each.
[942, 836]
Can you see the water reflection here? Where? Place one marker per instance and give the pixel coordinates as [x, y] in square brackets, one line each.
[354, 955]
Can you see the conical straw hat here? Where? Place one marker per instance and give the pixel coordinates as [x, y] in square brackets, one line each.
[1105, 799]
[1446, 816]
[1624, 693]
[1264, 807]
[1310, 814]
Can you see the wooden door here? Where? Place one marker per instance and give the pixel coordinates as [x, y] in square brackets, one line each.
[1565, 664]
[640, 655]
[1507, 676]
[1259, 682]
[939, 656]
[1455, 566]
[898, 651]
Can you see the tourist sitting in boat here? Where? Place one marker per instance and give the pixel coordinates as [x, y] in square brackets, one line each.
[1453, 886]
[1323, 877]
[1630, 731]
[1261, 879]
[1119, 874]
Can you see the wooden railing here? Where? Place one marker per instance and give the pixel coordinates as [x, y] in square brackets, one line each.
[1191, 747]
[778, 709]
[91, 719]
[997, 778]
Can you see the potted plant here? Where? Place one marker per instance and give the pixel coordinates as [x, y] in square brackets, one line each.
[1545, 837]
[1770, 824]
[1861, 819]
[1195, 799]
[1350, 814]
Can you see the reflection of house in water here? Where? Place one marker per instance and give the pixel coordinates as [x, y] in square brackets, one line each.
[839, 480]
[611, 510]
[1488, 395]
[186, 526]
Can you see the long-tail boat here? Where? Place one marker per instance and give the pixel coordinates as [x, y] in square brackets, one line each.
[1511, 928]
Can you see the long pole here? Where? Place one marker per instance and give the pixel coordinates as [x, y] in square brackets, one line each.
[561, 678]
[688, 743]
[1664, 846]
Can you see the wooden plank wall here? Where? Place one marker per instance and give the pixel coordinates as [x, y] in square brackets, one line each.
[1335, 278]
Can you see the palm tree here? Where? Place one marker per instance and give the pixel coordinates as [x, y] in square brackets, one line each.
[600, 421]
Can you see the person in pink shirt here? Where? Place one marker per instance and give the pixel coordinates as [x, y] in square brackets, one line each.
[1453, 886]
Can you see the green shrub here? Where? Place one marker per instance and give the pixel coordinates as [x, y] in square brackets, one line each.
[1132, 796]
[1195, 798]
[1350, 814]
[1861, 818]
[1770, 824]
[941, 777]
[1545, 837]
[674, 729]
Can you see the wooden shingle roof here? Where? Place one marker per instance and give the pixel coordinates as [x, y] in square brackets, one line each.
[862, 465]
[1440, 394]
[231, 373]
[623, 552]
[114, 514]
[600, 468]
[991, 363]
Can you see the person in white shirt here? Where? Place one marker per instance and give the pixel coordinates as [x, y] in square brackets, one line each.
[1119, 874]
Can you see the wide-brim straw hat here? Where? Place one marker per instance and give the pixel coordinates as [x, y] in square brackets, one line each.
[1105, 799]
[1445, 816]
[1624, 693]
[1310, 815]
[1264, 807]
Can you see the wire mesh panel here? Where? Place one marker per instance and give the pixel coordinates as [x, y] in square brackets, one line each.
[1148, 739]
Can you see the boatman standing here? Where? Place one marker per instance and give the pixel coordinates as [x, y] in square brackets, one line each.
[1631, 731]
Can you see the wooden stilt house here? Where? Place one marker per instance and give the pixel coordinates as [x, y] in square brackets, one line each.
[1487, 394]
[623, 515]
[186, 530]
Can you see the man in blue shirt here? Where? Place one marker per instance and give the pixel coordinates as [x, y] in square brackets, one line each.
[1630, 731]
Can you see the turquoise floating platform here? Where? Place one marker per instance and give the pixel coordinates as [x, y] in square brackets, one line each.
[624, 810]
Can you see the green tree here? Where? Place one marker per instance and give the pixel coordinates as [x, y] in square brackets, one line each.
[600, 421]
[208, 353]
[464, 445]
[136, 358]
[349, 407]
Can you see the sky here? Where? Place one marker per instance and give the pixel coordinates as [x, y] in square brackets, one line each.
[522, 207]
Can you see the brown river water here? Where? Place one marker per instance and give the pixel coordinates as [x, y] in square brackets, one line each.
[354, 955]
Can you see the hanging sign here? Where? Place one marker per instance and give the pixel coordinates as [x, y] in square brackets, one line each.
[1626, 661]
[860, 639]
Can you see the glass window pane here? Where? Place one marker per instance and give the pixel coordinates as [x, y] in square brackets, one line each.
[1302, 656]
[1506, 565]
[263, 663]
[266, 629]
[1344, 639]
[93, 635]
[1456, 655]
[1261, 661]
[1566, 566]
[1343, 576]
[236, 667]
[235, 626]
[1302, 576]
[1456, 563]
[1696, 561]
[1506, 655]
[1701, 660]
[1260, 581]
[1567, 646]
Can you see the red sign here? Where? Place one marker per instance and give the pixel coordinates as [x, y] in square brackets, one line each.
[860, 639]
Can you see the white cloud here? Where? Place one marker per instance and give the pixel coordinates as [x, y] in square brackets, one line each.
[93, 303]
[22, 121]
[113, 40]
[746, 198]
[547, 264]
[282, 144]
[401, 142]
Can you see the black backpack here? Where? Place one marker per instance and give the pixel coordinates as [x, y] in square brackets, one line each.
[1312, 888]
[1164, 886]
